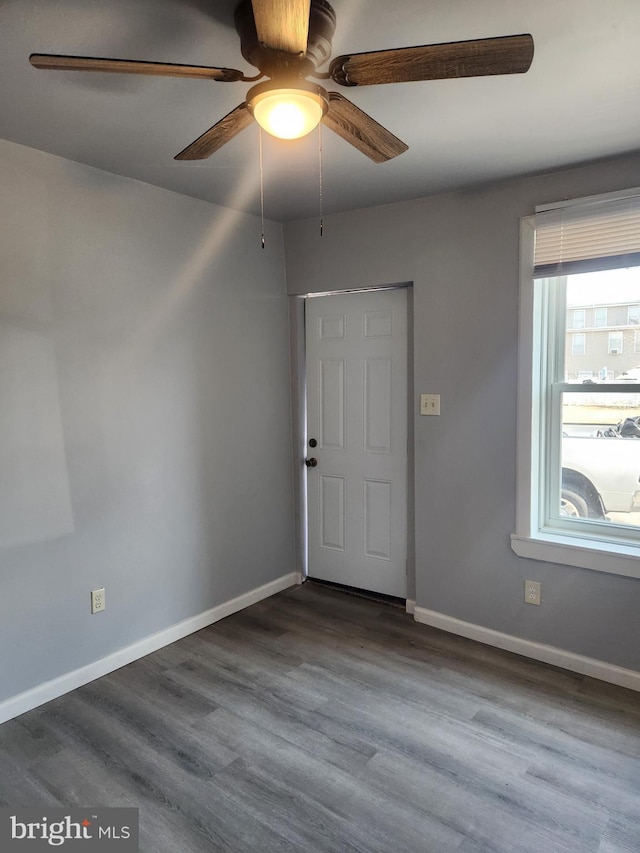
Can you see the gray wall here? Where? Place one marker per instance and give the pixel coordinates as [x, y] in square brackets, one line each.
[145, 425]
[461, 252]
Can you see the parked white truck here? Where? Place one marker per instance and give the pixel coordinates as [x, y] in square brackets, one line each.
[600, 475]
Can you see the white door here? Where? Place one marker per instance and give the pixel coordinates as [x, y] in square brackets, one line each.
[357, 416]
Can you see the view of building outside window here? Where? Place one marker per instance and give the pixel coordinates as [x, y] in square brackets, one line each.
[606, 305]
[601, 429]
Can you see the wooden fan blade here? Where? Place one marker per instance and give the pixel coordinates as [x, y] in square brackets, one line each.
[477, 58]
[132, 66]
[218, 135]
[361, 131]
[282, 24]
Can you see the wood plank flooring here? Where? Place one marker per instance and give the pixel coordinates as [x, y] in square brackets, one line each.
[320, 721]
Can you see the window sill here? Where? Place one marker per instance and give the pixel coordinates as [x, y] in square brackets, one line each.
[616, 559]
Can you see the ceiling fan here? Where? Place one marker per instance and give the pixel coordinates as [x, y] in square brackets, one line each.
[288, 41]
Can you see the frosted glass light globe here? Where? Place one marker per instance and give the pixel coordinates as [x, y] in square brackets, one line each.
[288, 113]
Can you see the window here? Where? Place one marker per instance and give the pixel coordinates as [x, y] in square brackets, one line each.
[578, 499]
[578, 344]
[615, 343]
[600, 317]
[633, 315]
[578, 317]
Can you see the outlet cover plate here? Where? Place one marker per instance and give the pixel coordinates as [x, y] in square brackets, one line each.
[532, 592]
[98, 602]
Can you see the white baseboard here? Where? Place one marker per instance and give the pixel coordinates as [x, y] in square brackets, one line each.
[22, 702]
[538, 651]
[410, 606]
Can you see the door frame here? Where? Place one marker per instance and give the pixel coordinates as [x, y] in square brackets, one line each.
[299, 428]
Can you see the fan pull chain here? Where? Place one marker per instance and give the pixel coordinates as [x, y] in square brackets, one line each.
[320, 174]
[261, 189]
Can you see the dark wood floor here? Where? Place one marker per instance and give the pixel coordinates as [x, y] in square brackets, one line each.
[319, 721]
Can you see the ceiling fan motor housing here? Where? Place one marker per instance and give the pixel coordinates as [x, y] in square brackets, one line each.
[276, 63]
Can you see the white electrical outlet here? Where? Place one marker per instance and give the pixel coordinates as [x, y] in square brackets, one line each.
[429, 404]
[98, 602]
[532, 592]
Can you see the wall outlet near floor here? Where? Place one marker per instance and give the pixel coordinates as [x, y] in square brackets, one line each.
[532, 592]
[429, 404]
[98, 602]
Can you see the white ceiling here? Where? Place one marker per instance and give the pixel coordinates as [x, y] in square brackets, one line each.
[580, 100]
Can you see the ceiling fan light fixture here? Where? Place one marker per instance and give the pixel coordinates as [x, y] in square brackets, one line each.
[287, 112]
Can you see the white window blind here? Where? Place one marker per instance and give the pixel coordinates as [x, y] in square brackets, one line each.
[589, 236]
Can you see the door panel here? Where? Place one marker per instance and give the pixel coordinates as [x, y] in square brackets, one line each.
[357, 412]
[332, 492]
[377, 405]
[332, 404]
[377, 519]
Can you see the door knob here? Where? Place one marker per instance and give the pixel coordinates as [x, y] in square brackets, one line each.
[311, 463]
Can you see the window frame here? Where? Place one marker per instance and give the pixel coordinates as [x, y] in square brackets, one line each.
[578, 312]
[618, 349]
[597, 325]
[532, 538]
[575, 335]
